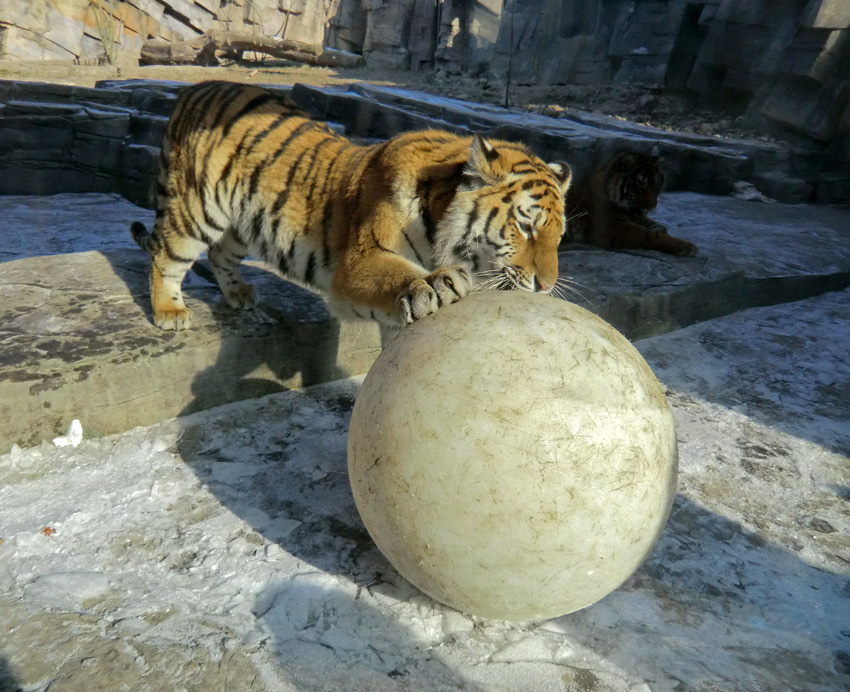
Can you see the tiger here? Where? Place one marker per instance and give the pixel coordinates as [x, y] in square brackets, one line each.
[389, 231]
[609, 208]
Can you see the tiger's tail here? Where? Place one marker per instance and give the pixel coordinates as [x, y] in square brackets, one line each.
[143, 239]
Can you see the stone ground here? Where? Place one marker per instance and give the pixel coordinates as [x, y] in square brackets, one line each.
[222, 549]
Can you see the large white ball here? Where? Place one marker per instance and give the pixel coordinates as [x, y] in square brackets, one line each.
[513, 456]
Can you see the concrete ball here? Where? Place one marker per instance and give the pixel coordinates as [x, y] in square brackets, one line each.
[513, 456]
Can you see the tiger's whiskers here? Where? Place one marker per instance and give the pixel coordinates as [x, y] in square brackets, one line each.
[565, 289]
[495, 280]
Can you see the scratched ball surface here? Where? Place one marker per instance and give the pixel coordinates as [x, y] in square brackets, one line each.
[513, 456]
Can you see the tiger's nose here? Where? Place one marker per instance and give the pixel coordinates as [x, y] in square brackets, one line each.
[539, 286]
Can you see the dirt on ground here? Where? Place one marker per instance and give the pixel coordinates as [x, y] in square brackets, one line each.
[636, 103]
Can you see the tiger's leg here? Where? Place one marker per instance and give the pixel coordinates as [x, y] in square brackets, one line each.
[653, 225]
[374, 276]
[387, 287]
[225, 258]
[171, 259]
[629, 235]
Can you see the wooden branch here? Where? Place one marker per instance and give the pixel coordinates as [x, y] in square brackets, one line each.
[203, 50]
[331, 57]
[209, 48]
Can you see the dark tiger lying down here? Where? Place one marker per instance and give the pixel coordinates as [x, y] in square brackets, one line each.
[609, 207]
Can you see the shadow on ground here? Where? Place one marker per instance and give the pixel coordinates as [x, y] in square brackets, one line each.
[713, 602]
[287, 341]
[7, 680]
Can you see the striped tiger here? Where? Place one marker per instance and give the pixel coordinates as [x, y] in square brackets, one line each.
[387, 232]
[609, 208]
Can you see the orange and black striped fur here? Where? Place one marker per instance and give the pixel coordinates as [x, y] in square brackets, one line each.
[609, 207]
[388, 232]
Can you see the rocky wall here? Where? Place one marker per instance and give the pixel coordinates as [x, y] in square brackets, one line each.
[57, 138]
[68, 29]
[785, 64]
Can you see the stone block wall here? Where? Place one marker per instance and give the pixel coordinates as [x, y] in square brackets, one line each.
[58, 138]
[67, 29]
[784, 64]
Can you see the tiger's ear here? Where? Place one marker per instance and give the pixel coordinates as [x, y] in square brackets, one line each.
[563, 174]
[482, 156]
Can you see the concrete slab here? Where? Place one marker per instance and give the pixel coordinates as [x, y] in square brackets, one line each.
[222, 550]
[65, 223]
[76, 331]
[750, 254]
[77, 336]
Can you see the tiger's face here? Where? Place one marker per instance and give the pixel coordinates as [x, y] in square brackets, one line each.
[634, 181]
[507, 218]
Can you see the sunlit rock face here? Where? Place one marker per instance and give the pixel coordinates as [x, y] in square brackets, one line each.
[781, 65]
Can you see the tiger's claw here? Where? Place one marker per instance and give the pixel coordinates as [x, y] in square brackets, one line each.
[424, 297]
[241, 296]
[176, 319]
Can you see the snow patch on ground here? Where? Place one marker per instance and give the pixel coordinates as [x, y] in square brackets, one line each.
[234, 532]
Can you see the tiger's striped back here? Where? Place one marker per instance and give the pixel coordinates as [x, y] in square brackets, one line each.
[230, 158]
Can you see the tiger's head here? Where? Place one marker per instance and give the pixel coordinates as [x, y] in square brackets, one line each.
[507, 217]
[633, 181]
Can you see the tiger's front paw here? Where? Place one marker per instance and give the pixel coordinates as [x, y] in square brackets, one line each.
[425, 296]
[685, 249]
[173, 319]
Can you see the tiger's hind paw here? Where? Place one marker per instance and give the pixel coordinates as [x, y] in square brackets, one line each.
[173, 319]
[241, 296]
[425, 296]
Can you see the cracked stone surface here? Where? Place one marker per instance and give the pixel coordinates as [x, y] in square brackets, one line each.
[224, 548]
[76, 328]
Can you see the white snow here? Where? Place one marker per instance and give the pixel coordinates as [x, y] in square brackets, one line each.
[73, 437]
